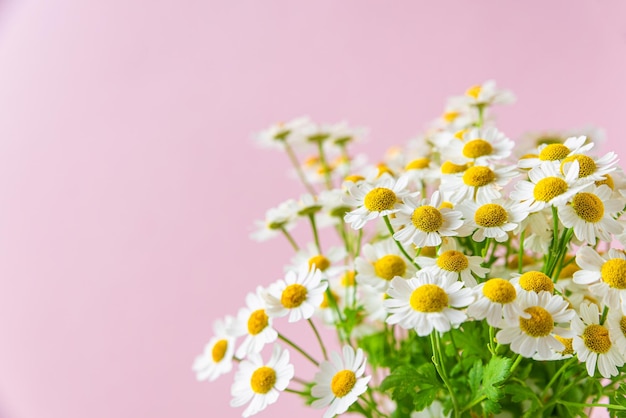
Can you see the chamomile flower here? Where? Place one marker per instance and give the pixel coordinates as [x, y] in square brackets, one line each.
[495, 298]
[280, 134]
[554, 153]
[374, 199]
[605, 275]
[380, 263]
[330, 263]
[217, 358]
[260, 383]
[537, 333]
[594, 343]
[487, 94]
[616, 323]
[297, 295]
[424, 223]
[253, 322]
[427, 302]
[479, 146]
[533, 281]
[479, 183]
[453, 264]
[591, 214]
[591, 168]
[277, 220]
[493, 220]
[340, 382]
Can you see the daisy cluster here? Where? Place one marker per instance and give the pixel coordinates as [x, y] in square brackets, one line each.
[476, 275]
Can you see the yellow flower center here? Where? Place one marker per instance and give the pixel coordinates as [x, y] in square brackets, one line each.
[450, 168]
[499, 291]
[596, 338]
[320, 262]
[608, 181]
[263, 380]
[478, 176]
[325, 302]
[446, 205]
[473, 91]
[622, 325]
[540, 323]
[491, 215]
[568, 343]
[354, 178]
[428, 252]
[588, 207]
[554, 152]
[547, 139]
[257, 322]
[548, 188]
[348, 279]
[219, 350]
[450, 116]
[569, 270]
[536, 281]
[460, 134]
[586, 164]
[342, 383]
[429, 298]
[418, 164]
[380, 199]
[390, 266]
[614, 273]
[293, 296]
[427, 218]
[452, 260]
[382, 169]
[477, 148]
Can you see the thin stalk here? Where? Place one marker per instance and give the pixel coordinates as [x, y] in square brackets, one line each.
[520, 255]
[557, 374]
[325, 167]
[296, 165]
[400, 247]
[315, 234]
[319, 339]
[298, 348]
[297, 392]
[436, 359]
[601, 405]
[292, 241]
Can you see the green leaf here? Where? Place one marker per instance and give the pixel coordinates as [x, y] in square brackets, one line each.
[424, 398]
[491, 407]
[520, 393]
[475, 376]
[494, 374]
[407, 381]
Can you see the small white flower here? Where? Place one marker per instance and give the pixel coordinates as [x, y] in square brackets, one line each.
[260, 383]
[298, 295]
[605, 275]
[276, 220]
[427, 302]
[253, 322]
[495, 299]
[479, 183]
[591, 168]
[380, 263]
[616, 323]
[493, 220]
[217, 358]
[479, 146]
[279, 134]
[340, 382]
[330, 264]
[487, 94]
[533, 281]
[453, 264]
[536, 334]
[555, 153]
[594, 343]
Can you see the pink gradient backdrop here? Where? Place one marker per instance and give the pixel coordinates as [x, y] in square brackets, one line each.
[129, 182]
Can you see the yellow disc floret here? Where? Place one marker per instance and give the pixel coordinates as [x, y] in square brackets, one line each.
[449, 167]
[379, 199]
[473, 91]
[568, 343]
[348, 279]
[418, 164]
[427, 218]
[477, 148]
[390, 266]
[320, 262]
[613, 273]
[540, 323]
[596, 338]
[326, 302]
[263, 380]
[293, 296]
[384, 169]
[478, 176]
[499, 291]
[429, 298]
[554, 152]
[607, 181]
[548, 188]
[588, 207]
[450, 116]
[257, 322]
[622, 325]
[219, 350]
[587, 165]
[342, 383]
[536, 281]
[491, 215]
[354, 178]
[452, 260]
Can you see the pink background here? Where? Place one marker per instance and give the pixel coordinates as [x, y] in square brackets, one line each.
[129, 183]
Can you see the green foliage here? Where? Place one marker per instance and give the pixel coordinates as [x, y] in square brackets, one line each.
[419, 385]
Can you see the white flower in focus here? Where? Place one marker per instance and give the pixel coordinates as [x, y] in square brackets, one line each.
[453, 264]
[331, 264]
[380, 263]
[495, 299]
[555, 153]
[253, 322]
[616, 323]
[591, 168]
[479, 146]
[478, 183]
[493, 220]
[217, 358]
[594, 344]
[605, 275]
[533, 281]
[537, 334]
[298, 295]
[260, 383]
[427, 302]
[340, 382]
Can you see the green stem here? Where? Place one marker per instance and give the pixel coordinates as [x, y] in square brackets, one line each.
[518, 360]
[325, 167]
[601, 405]
[315, 234]
[520, 255]
[400, 247]
[290, 238]
[557, 374]
[481, 115]
[319, 339]
[436, 359]
[296, 165]
[298, 348]
[297, 392]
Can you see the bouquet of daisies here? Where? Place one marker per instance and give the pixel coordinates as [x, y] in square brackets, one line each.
[470, 277]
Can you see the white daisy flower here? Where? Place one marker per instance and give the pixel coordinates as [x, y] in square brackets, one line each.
[488, 94]
[217, 358]
[546, 187]
[277, 135]
[260, 383]
[616, 323]
[594, 343]
[479, 183]
[555, 153]
[453, 264]
[330, 263]
[374, 200]
[340, 382]
[493, 220]
[479, 146]
[276, 220]
[253, 322]
[616, 181]
[591, 168]
[533, 281]
[380, 263]
[297, 295]
[591, 214]
[495, 299]
[605, 275]
[422, 170]
[427, 302]
[342, 134]
[537, 333]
